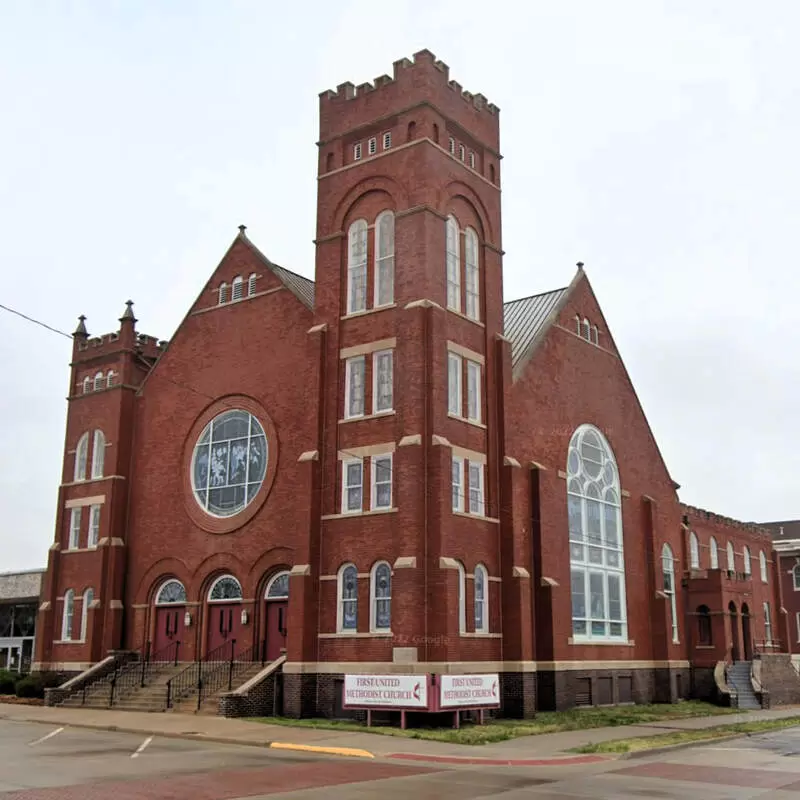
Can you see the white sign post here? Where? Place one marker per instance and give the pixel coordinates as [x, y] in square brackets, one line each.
[469, 691]
[386, 691]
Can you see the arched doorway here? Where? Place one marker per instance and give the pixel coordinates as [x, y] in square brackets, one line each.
[170, 611]
[224, 614]
[734, 631]
[747, 640]
[276, 599]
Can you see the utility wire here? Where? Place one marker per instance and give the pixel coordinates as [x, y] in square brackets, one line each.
[35, 321]
[461, 494]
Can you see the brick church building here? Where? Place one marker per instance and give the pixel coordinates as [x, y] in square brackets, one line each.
[390, 469]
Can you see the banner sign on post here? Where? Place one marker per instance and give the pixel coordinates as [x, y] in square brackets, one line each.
[386, 691]
[469, 691]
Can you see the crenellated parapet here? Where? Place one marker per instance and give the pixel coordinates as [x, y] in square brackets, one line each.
[720, 521]
[426, 79]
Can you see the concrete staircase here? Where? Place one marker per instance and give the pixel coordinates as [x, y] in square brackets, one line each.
[739, 679]
[210, 705]
[129, 695]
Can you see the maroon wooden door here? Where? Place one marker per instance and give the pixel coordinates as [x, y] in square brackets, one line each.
[224, 624]
[276, 628]
[169, 627]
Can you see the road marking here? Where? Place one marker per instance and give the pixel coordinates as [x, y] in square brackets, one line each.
[45, 738]
[334, 751]
[142, 747]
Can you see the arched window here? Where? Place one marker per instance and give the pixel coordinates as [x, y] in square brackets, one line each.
[110, 378]
[223, 293]
[796, 577]
[278, 587]
[746, 557]
[237, 288]
[597, 563]
[704, 637]
[491, 172]
[668, 571]
[473, 274]
[462, 598]
[762, 563]
[714, 553]
[87, 385]
[767, 624]
[172, 592]
[225, 588]
[81, 456]
[731, 558]
[453, 265]
[384, 259]
[694, 550]
[88, 597]
[357, 267]
[578, 323]
[348, 599]
[381, 599]
[66, 621]
[587, 330]
[98, 381]
[412, 130]
[251, 285]
[481, 599]
[98, 454]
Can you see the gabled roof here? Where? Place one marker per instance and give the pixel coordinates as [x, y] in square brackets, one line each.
[783, 530]
[302, 288]
[523, 319]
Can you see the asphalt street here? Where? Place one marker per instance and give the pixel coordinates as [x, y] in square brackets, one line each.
[45, 762]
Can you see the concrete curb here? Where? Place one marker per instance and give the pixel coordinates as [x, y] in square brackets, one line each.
[353, 752]
[668, 748]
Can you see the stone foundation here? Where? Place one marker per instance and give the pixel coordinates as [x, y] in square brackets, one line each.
[263, 700]
[779, 680]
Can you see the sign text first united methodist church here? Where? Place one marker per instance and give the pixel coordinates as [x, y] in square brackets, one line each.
[413, 692]
[386, 691]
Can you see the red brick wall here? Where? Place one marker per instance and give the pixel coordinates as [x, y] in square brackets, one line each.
[253, 349]
[569, 382]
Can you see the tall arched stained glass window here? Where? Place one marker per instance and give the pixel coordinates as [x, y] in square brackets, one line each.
[597, 565]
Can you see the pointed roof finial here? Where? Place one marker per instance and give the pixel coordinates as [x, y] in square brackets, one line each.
[81, 329]
[242, 229]
[580, 265]
[128, 313]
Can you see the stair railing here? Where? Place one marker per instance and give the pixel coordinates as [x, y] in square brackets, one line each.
[194, 677]
[221, 675]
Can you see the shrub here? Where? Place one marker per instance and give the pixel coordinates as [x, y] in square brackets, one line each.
[8, 681]
[33, 685]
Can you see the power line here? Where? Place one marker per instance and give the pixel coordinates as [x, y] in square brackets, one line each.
[35, 321]
[323, 484]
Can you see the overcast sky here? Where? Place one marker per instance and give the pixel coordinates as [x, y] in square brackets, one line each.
[655, 141]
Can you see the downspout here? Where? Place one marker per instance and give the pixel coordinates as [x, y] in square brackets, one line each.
[426, 444]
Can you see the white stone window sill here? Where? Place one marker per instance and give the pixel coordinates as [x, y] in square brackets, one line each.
[705, 647]
[602, 642]
[476, 516]
[69, 641]
[374, 310]
[356, 635]
[475, 423]
[357, 514]
[481, 635]
[390, 413]
[79, 550]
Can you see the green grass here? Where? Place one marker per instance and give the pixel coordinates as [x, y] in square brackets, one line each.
[545, 722]
[683, 737]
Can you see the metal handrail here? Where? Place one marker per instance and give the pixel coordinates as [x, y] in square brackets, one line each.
[220, 674]
[123, 680]
[190, 679]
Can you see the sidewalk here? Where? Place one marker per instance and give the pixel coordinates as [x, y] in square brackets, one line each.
[527, 750]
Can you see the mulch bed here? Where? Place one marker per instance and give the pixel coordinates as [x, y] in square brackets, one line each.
[21, 701]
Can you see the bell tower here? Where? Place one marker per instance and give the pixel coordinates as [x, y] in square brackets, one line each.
[408, 315]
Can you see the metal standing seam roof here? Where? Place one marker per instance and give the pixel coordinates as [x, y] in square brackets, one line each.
[523, 319]
[301, 287]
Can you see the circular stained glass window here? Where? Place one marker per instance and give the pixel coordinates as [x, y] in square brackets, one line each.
[229, 463]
